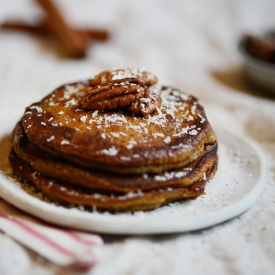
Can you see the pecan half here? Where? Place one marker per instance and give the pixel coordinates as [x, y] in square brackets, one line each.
[147, 104]
[111, 97]
[133, 89]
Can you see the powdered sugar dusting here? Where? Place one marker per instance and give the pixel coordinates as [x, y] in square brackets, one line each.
[112, 151]
[127, 73]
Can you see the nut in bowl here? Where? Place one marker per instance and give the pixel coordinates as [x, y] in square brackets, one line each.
[258, 54]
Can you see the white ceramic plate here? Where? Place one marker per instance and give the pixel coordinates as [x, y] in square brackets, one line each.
[236, 186]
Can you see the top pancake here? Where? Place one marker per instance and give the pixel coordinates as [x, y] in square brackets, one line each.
[174, 135]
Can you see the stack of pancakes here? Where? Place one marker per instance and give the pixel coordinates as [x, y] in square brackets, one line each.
[110, 157]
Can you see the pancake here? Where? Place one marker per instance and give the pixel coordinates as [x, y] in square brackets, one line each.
[98, 180]
[68, 195]
[117, 142]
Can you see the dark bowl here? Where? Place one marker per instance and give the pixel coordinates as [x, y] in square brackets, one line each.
[258, 72]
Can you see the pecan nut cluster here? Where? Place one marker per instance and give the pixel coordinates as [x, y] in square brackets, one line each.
[134, 89]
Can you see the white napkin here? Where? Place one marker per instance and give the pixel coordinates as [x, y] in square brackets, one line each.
[61, 246]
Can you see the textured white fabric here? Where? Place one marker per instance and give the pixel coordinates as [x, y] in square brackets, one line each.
[191, 45]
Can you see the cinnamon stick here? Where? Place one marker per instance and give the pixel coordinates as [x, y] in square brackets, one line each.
[43, 28]
[74, 42]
